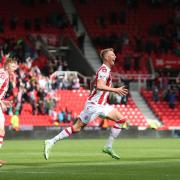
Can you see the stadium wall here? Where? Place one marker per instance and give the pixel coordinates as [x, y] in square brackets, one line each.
[89, 132]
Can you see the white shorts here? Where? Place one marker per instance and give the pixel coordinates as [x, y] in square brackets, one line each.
[2, 119]
[91, 111]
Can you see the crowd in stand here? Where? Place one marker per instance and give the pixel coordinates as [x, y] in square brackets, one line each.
[161, 38]
[33, 83]
[52, 19]
[63, 116]
[32, 86]
[38, 90]
[165, 88]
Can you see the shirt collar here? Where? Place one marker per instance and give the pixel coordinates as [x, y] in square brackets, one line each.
[107, 67]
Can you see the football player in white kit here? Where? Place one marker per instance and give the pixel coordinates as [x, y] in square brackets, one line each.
[96, 105]
[6, 75]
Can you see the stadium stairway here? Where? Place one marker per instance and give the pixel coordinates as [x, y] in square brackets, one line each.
[146, 111]
[89, 50]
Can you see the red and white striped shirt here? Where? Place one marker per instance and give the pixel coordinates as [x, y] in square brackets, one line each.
[4, 82]
[98, 96]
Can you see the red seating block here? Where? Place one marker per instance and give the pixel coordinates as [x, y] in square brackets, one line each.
[169, 117]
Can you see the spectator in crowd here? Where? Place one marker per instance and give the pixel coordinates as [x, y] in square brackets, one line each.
[178, 85]
[57, 83]
[41, 94]
[172, 98]
[18, 99]
[27, 24]
[155, 94]
[13, 22]
[15, 122]
[69, 115]
[38, 44]
[49, 105]
[137, 60]
[32, 98]
[164, 81]
[54, 116]
[75, 83]
[61, 116]
[66, 84]
[65, 66]
[157, 81]
[127, 61]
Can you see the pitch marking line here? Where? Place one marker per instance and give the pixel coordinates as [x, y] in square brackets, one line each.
[84, 173]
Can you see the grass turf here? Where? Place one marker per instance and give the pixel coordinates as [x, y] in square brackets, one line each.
[141, 159]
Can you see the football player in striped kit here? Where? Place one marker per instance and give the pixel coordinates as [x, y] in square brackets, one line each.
[6, 74]
[96, 105]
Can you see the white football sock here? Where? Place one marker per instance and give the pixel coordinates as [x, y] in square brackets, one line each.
[109, 141]
[115, 131]
[63, 134]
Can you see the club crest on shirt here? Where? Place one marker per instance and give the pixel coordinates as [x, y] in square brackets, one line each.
[104, 70]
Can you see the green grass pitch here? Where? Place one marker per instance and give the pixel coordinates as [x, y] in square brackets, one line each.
[141, 159]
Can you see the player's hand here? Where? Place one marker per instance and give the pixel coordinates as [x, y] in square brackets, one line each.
[122, 91]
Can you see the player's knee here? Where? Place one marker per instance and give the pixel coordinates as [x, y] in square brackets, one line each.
[76, 129]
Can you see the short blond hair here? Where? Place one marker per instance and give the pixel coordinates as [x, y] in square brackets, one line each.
[10, 61]
[104, 51]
